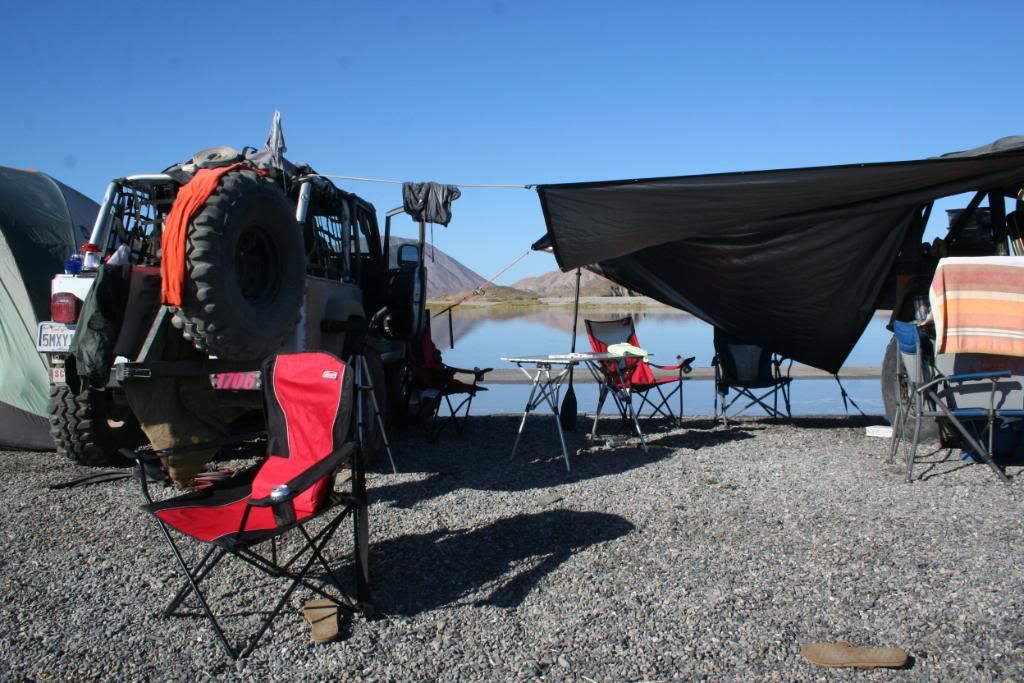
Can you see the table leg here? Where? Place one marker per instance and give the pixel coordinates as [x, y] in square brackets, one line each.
[601, 396]
[526, 412]
[632, 414]
[552, 398]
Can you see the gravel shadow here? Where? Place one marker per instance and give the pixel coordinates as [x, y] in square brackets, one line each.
[481, 460]
[497, 564]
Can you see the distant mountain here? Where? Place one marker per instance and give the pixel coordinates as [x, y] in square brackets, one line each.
[445, 275]
[495, 293]
[558, 283]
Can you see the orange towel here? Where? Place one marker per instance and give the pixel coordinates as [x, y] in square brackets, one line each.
[978, 305]
[172, 245]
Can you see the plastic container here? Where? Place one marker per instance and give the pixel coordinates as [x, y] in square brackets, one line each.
[73, 266]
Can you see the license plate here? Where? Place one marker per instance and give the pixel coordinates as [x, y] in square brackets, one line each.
[54, 337]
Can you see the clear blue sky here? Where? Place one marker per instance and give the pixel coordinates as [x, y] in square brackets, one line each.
[503, 92]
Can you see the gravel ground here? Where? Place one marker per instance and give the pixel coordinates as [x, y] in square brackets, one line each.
[713, 556]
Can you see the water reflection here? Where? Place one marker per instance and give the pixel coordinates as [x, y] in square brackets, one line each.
[558, 320]
[484, 334]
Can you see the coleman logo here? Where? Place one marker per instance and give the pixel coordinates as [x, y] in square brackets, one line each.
[330, 374]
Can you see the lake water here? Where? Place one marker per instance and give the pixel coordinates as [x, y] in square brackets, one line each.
[482, 336]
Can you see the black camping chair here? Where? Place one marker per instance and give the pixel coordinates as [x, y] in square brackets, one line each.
[251, 515]
[754, 373]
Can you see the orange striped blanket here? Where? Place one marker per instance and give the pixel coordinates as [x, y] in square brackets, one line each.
[978, 305]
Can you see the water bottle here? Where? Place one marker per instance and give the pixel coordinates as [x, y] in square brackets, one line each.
[284, 511]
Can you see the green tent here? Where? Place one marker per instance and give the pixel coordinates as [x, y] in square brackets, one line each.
[42, 222]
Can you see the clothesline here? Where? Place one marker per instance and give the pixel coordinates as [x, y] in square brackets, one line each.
[399, 182]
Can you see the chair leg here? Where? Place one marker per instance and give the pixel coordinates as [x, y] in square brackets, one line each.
[202, 570]
[198, 593]
[724, 408]
[602, 395]
[314, 545]
[636, 423]
[662, 407]
[983, 453]
[526, 413]
[464, 406]
[361, 540]
[458, 415]
[896, 438]
[913, 449]
[277, 609]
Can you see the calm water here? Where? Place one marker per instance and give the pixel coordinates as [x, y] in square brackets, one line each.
[482, 337]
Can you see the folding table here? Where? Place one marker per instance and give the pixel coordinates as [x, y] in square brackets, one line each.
[546, 374]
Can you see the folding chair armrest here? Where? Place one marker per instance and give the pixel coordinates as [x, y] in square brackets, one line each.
[683, 364]
[478, 373]
[965, 377]
[968, 376]
[309, 476]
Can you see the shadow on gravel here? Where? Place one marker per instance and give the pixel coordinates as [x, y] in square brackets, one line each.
[937, 463]
[481, 459]
[503, 560]
[694, 439]
[833, 421]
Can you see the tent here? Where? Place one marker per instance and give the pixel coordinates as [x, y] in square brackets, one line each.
[792, 260]
[42, 222]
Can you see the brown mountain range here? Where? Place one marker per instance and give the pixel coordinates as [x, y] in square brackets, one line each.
[558, 283]
[445, 275]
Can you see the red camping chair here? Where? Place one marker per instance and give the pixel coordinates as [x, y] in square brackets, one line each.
[623, 379]
[308, 402]
[435, 382]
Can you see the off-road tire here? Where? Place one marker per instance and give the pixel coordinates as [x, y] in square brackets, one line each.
[89, 428]
[245, 266]
[894, 393]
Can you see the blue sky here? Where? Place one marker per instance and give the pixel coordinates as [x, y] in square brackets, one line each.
[503, 92]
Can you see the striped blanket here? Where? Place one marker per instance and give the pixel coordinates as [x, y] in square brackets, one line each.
[978, 305]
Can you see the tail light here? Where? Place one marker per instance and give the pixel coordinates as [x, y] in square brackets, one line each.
[64, 307]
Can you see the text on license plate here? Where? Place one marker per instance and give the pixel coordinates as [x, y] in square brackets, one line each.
[52, 336]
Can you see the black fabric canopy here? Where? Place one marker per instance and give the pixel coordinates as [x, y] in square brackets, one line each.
[792, 260]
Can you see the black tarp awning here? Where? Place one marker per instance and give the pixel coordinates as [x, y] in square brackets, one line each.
[792, 260]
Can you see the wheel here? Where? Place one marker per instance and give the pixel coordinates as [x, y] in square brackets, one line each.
[895, 393]
[89, 426]
[245, 263]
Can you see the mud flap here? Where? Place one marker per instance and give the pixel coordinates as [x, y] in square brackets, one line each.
[178, 411]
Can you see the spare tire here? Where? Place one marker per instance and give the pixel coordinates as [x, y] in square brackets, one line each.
[245, 267]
